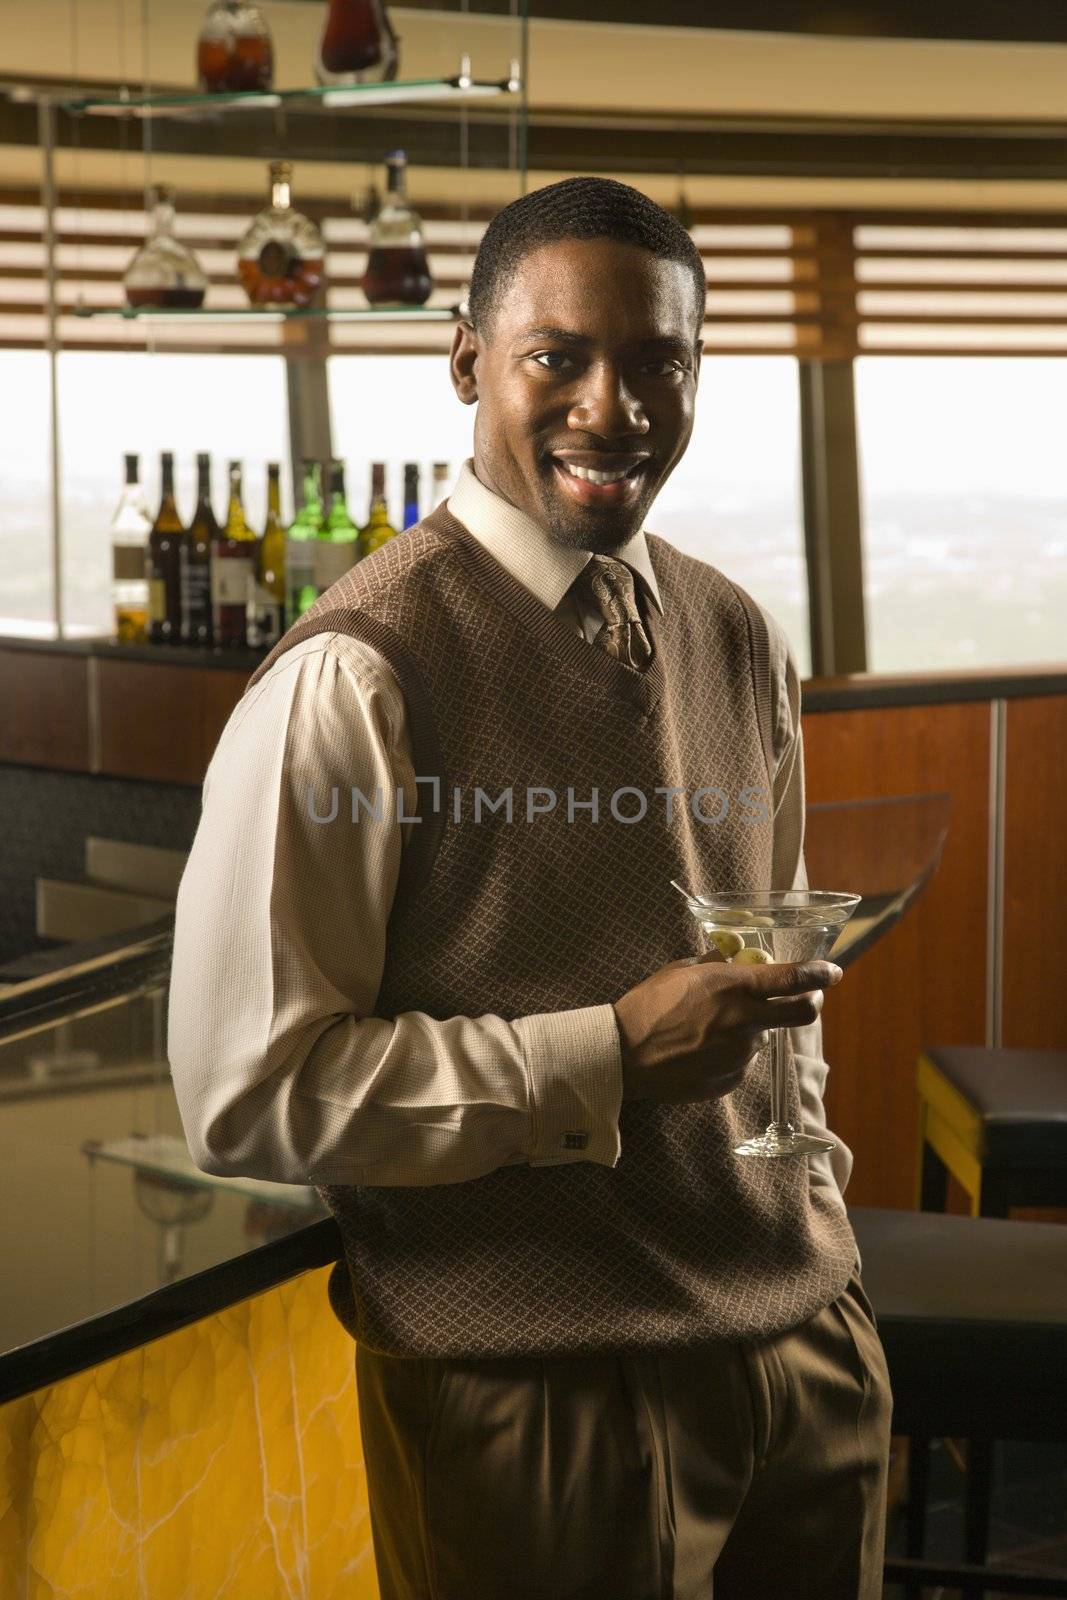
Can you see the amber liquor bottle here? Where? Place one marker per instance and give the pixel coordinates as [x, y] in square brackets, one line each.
[281, 259]
[163, 563]
[197, 622]
[398, 272]
[233, 570]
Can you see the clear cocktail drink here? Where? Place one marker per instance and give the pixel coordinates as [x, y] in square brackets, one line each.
[782, 925]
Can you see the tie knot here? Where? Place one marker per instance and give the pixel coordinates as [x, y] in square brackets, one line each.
[610, 585]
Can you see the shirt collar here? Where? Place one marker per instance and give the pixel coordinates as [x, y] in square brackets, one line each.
[540, 563]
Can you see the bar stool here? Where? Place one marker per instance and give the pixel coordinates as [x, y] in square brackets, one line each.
[995, 1119]
[972, 1314]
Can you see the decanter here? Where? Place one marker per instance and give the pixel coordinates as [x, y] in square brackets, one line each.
[164, 272]
[398, 272]
[358, 44]
[281, 259]
[234, 52]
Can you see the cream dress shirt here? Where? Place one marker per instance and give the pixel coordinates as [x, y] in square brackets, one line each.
[280, 1066]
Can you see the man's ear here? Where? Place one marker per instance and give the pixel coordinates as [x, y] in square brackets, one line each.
[699, 353]
[463, 363]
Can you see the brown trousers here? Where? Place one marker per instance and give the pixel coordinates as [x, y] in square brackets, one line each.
[751, 1471]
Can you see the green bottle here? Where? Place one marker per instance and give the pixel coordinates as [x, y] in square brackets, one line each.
[337, 545]
[300, 588]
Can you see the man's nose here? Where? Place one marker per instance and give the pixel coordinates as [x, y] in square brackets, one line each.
[604, 403]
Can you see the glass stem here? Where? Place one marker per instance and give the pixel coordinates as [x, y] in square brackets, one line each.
[778, 1123]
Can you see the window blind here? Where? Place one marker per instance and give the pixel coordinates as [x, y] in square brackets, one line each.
[820, 285]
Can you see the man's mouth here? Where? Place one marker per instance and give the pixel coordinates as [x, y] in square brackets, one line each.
[594, 478]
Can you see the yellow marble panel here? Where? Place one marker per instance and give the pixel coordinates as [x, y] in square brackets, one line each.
[223, 1460]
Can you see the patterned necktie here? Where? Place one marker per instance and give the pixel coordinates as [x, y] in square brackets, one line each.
[610, 586]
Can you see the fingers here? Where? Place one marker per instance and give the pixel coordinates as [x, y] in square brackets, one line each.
[789, 977]
[795, 1012]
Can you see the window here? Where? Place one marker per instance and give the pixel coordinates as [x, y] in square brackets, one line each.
[964, 487]
[735, 498]
[395, 408]
[232, 406]
[26, 506]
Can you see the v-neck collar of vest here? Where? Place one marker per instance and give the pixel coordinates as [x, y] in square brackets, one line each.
[643, 689]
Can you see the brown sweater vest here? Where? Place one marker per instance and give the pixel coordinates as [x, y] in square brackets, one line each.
[682, 1242]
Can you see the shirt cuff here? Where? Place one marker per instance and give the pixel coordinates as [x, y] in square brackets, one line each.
[574, 1064]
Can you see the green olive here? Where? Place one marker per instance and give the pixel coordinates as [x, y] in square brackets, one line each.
[751, 956]
[727, 942]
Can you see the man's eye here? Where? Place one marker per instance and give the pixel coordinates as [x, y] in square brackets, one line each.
[554, 360]
[662, 369]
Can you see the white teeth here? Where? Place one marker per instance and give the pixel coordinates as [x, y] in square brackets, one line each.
[590, 476]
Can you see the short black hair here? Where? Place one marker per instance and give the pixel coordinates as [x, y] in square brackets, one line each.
[576, 208]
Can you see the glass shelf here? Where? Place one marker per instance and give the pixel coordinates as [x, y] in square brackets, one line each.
[331, 97]
[268, 314]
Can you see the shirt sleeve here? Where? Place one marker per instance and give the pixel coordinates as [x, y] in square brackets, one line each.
[830, 1170]
[281, 1068]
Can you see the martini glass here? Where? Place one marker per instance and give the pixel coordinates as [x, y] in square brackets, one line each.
[774, 925]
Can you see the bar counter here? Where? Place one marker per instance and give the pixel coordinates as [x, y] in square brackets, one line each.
[178, 1412]
[91, 705]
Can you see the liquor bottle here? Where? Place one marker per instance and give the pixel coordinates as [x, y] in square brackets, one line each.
[164, 272]
[280, 258]
[234, 52]
[357, 44]
[398, 272]
[440, 484]
[300, 545]
[411, 494]
[197, 619]
[337, 547]
[378, 530]
[130, 527]
[233, 571]
[163, 563]
[267, 608]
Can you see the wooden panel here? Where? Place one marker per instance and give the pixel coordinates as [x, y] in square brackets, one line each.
[150, 721]
[163, 722]
[222, 690]
[924, 984]
[44, 715]
[1035, 874]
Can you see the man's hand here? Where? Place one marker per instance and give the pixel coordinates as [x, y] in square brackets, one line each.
[689, 1030]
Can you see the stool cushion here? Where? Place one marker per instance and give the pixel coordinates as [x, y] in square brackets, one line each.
[1020, 1095]
[972, 1313]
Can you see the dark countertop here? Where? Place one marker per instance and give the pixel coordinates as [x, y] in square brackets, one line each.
[108, 1236]
[858, 691]
[170, 655]
[849, 692]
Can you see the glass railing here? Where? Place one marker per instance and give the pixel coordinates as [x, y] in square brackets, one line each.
[398, 313]
[333, 97]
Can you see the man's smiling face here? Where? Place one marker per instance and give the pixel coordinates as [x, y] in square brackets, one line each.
[585, 381]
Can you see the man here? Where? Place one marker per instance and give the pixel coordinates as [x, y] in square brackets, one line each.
[599, 1356]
